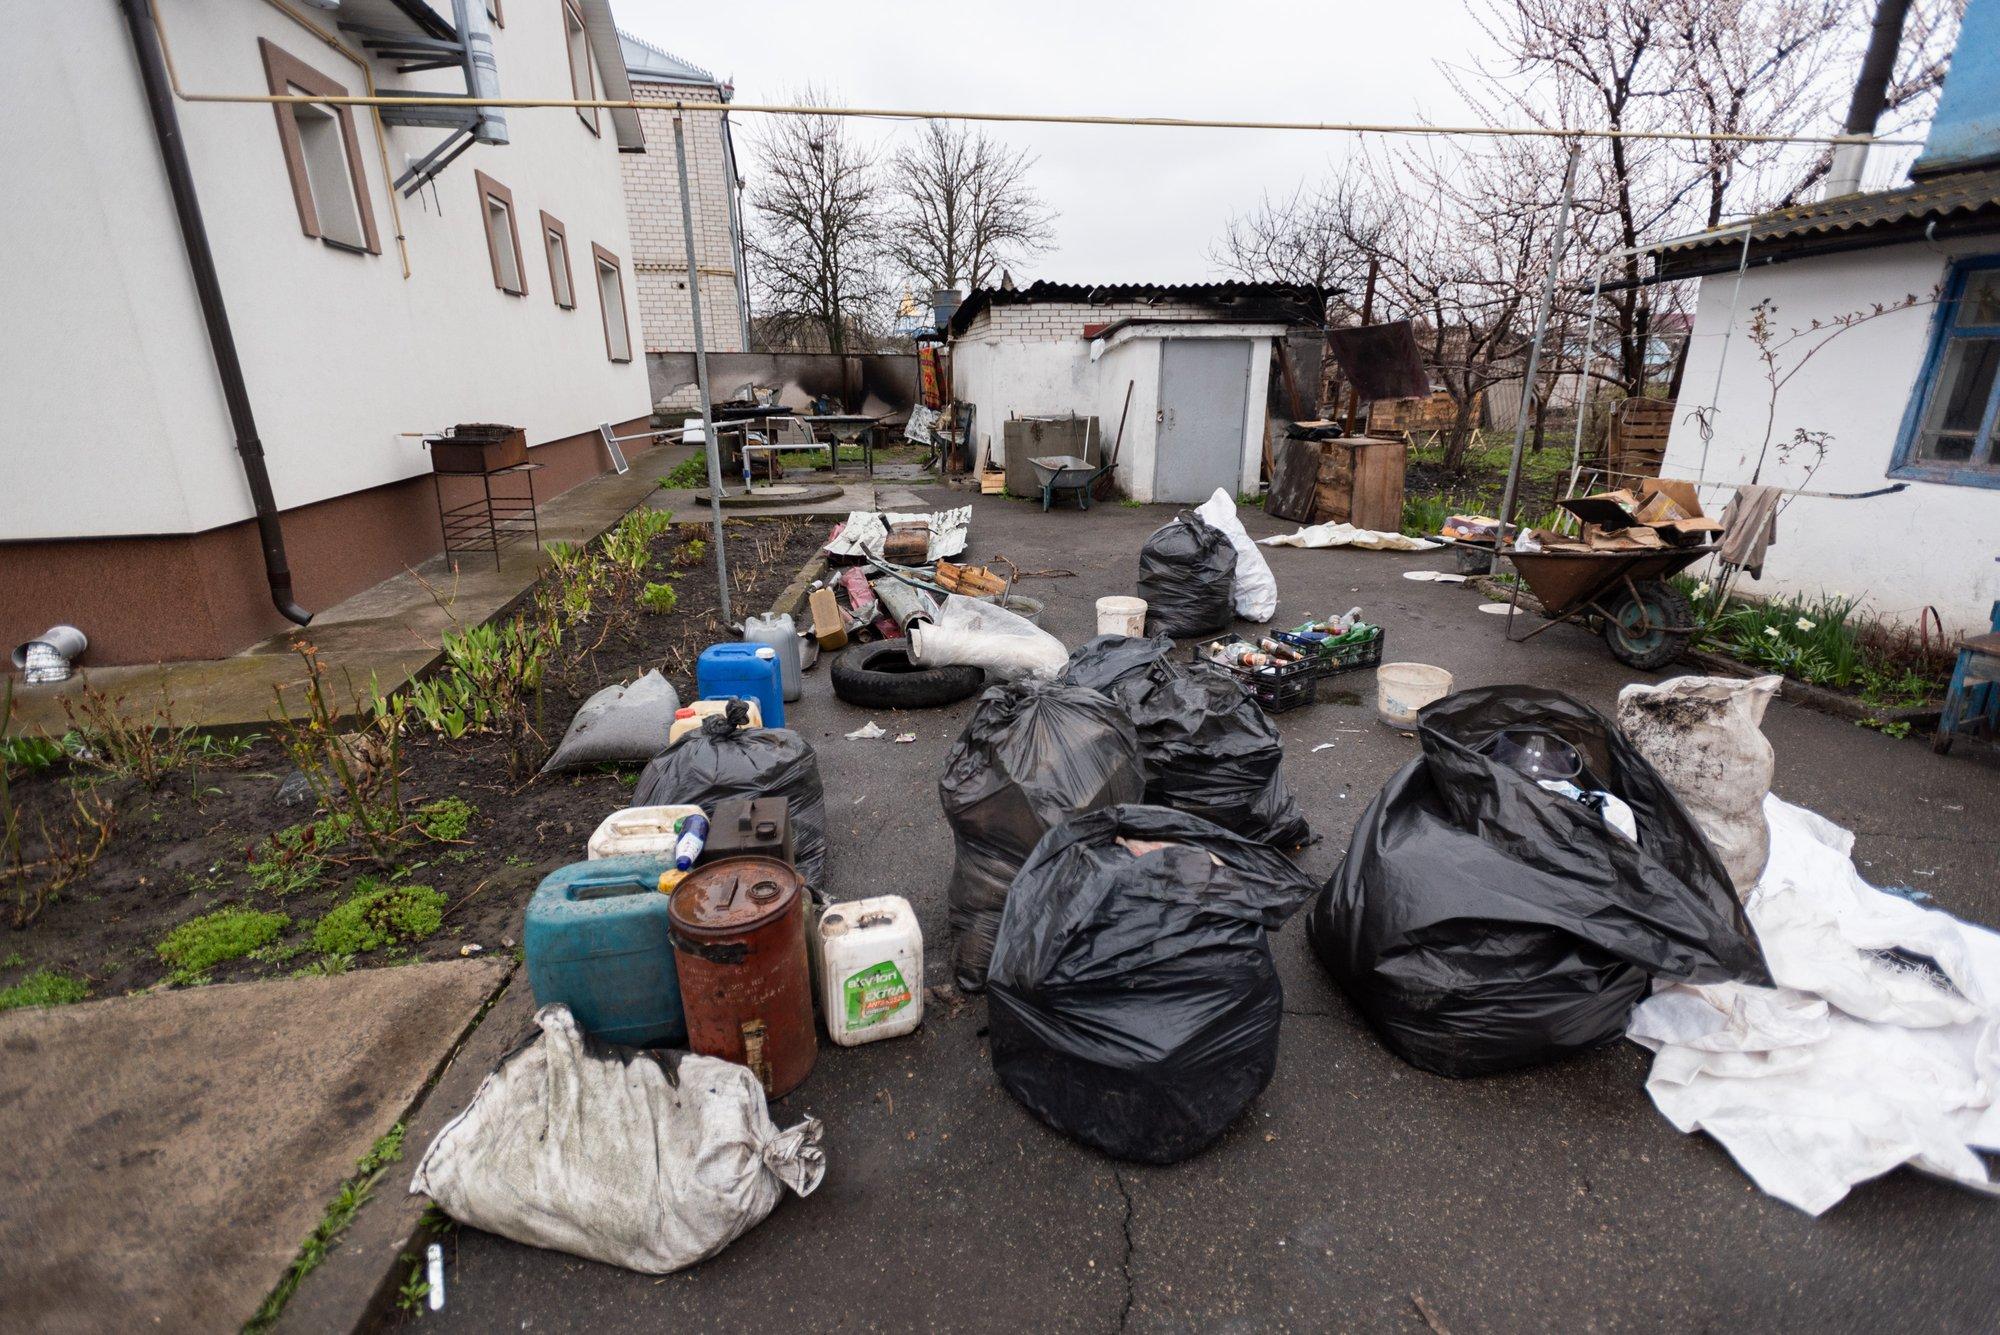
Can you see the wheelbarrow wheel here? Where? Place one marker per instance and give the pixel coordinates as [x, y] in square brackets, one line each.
[1650, 630]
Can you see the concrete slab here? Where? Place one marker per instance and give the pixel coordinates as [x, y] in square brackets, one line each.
[386, 634]
[166, 1154]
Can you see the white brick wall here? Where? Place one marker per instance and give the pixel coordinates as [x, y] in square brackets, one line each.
[1042, 321]
[652, 198]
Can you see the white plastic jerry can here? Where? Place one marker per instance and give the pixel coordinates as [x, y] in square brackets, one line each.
[868, 959]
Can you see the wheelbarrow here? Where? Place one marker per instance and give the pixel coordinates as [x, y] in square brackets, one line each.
[1624, 596]
[1065, 472]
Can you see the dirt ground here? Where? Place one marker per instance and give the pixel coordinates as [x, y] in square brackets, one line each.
[181, 849]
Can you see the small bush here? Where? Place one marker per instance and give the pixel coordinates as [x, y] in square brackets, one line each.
[447, 819]
[659, 598]
[379, 915]
[690, 552]
[199, 944]
[690, 474]
[43, 987]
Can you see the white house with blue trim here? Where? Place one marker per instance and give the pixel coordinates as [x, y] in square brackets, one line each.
[1905, 403]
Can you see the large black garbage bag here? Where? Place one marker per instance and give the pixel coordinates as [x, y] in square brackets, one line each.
[1483, 923]
[1210, 750]
[1034, 754]
[728, 759]
[1187, 571]
[1133, 1000]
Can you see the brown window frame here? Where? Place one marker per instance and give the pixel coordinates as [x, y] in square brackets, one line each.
[588, 93]
[284, 72]
[600, 256]
[552, 225]
[490, 188]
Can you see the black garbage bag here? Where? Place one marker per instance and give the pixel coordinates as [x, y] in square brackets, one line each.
[728, 759]
[1481, 922]
[1187, 571]
[1209, 749]
[1033, 754]
[1133, 1000]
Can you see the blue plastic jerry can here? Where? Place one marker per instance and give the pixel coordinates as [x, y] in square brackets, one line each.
[596, 941]
[745, 671]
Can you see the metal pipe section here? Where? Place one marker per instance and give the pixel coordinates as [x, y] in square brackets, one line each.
[708, 432]
[1535, 353]
[215, 315]
[734, 191]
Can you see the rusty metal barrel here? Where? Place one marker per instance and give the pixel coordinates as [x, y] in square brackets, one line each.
[738, 931]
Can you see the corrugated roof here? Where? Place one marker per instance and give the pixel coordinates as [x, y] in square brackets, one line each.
[1961, 193]
[1260, 302]
[649, 64]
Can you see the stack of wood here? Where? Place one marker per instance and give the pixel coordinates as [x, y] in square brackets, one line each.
[972, 581]
[1354, 480]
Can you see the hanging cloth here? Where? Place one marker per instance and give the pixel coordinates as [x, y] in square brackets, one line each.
[1749, 525]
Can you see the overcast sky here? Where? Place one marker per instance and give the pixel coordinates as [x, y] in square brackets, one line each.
[1134, 205]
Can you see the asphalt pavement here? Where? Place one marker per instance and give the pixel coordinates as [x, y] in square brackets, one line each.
[1357, 1193]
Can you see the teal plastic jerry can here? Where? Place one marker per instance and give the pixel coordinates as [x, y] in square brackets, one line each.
[596, 941]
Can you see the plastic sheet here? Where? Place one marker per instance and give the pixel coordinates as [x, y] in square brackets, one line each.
[1032, 755]
[971, 633]
[1346, 535]
[621, 723]
[1255, 589]
[727, 759]
[1187, 575]
[1209, 750]
[648, 1159]
[1133, 999]
[1482, 923]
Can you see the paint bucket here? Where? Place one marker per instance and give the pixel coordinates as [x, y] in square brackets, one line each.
[1401, 689]
[1121, 616]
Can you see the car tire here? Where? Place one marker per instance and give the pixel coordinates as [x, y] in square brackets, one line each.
[883, 676]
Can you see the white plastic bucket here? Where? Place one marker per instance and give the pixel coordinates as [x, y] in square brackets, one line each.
[1401, 689]
[638, 830]
[1121, 616]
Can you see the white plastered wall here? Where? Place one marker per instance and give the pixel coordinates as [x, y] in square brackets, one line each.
[117, 424]
[1929, 545]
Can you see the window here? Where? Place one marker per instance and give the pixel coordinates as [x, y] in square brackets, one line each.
[322, 156]
[555, 240]
[503, 234]
[611, 301]
[1950, 429]
[582, 78]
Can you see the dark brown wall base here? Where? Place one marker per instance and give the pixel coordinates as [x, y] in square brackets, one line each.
[203, 595]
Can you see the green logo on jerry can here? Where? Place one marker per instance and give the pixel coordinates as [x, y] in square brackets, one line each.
[874, 994]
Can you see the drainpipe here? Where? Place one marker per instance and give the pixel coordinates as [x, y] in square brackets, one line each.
[208, 290]
[1871, 89]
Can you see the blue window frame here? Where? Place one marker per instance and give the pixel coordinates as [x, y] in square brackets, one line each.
[1950, 427]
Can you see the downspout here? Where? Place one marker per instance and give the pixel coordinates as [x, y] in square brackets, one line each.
[733, 191]
[208, 290]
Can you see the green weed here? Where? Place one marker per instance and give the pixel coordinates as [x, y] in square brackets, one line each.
[199, 944]
[447, 819]
[379, 915]
[629, 545]
[1898, 729]
[32, 755]
[690, 552]
[296, 857]
[353, 1194]
[43, 987]
[327, 966]
[690, 474]
[659, 599]
[1125, 501]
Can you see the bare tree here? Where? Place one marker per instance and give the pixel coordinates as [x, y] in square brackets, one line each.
[1320, 237]
[964, 208]
[816, 236]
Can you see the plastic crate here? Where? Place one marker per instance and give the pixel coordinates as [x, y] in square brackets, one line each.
[1275, 689]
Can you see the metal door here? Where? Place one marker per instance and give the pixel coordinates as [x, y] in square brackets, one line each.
[1204, 398]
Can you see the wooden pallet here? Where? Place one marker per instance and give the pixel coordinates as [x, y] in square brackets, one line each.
[1639, 431]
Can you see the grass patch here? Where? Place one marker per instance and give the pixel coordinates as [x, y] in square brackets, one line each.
[199, 944]
[446, 820]
[340, 1212]
[43, 987]
[380, 915]
[1424, 516]
[295, 858]
[1820, 641]
[690, 474]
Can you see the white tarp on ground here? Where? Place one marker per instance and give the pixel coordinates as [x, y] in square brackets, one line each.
[1879, 1046]
[1346, 535]
[1256, 588]
[865, 530]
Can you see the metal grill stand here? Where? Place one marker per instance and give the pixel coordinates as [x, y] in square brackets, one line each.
[492, 520]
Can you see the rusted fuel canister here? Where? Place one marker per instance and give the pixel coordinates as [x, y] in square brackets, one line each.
[739, 945]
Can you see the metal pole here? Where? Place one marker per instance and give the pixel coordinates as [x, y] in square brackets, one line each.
[708, 432]
[1583, 377]
[1535, 353]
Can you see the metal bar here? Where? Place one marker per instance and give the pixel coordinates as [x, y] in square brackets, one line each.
[1583, 380]
[708, 429]
[1535, 349]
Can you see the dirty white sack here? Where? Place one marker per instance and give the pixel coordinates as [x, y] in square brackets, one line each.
[1346, 535]
[985, 635]
[1256, 588]
[865, 530]
[1704, 735]
[648, 1159]
[619, 723]
[1879, 1046]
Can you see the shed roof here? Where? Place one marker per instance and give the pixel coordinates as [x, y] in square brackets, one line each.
[1262, 303]
[651, 64]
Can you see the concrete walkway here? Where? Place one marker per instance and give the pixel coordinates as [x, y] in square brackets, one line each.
[167, 1154]
[387, 634]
